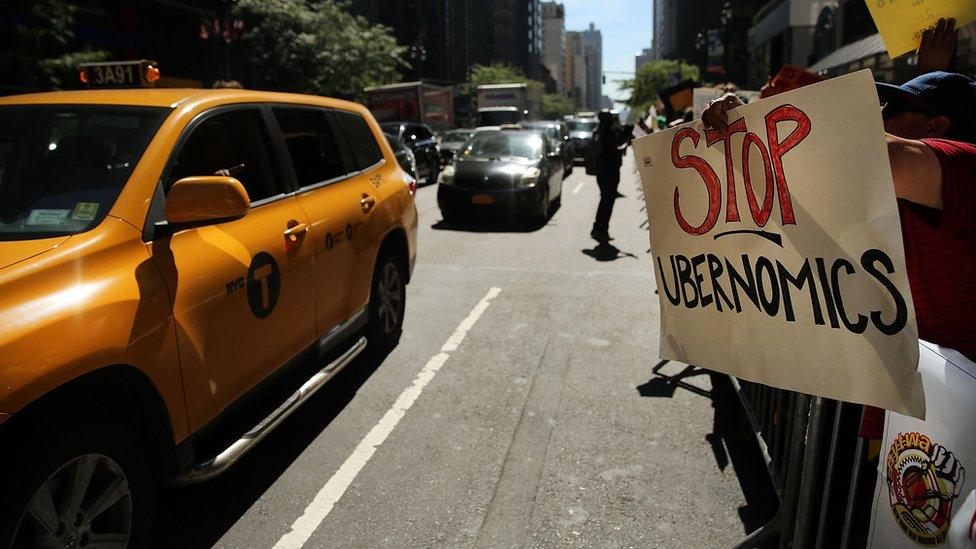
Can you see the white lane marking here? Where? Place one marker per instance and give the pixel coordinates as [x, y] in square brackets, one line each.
[578, 187]
[320, 507]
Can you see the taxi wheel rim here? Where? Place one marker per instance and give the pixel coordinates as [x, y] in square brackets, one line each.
[85, 503]
[391, 296]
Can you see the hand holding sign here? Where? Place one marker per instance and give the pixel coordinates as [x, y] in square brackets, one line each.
[777, 249]
[902, 22]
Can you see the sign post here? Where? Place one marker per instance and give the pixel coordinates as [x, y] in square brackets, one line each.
[777, 247]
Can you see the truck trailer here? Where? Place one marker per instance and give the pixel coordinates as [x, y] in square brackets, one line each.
[507, 104]
[412, 102]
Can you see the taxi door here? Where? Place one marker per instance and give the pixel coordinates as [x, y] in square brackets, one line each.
[332, 196]
[240, 289]
[371, 184]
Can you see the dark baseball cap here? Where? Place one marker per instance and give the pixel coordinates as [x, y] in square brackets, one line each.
[948, 94]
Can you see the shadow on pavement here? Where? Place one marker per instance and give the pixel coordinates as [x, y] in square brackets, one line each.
[604, 251]
[489, 225]
[732, 440]
[199, 515]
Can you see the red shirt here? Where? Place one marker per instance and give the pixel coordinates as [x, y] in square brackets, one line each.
[940, 249]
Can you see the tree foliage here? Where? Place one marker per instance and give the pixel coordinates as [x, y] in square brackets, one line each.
[497, 73]
[317, 47]
[45, 33]
[653, 77]
[554, 106]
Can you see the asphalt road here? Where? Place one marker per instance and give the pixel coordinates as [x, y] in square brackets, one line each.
[520, 409]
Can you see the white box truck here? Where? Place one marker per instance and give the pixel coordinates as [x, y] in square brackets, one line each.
[507, 104]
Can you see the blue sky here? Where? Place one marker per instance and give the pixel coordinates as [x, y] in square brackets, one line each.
[626, 29]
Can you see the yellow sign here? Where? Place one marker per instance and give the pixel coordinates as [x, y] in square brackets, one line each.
[901, 22]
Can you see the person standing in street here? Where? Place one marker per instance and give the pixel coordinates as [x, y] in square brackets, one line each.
[605, 158]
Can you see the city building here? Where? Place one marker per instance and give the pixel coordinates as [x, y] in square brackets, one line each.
[508, 32]
[435, 33]
[784, 34]
[643, 58]
[593, 50]
[712, 34]
[554, 44]
[847, 40]
[576, 68]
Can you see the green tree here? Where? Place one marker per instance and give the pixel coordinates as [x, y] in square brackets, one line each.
[554, 106]
[317, 47]
[495, 74]
[653, 77]
[44, 32]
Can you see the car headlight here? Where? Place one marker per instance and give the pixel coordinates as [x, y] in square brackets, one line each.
[447, 176]
[530, 177]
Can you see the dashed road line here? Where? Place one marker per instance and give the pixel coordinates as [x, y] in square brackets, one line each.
[326, 498]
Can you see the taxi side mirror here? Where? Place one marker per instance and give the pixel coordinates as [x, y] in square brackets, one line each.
[206, 198]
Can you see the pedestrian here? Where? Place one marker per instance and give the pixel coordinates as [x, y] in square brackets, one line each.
[930, 124]
[604, 159]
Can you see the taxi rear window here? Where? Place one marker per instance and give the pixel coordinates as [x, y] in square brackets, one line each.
[63, 166]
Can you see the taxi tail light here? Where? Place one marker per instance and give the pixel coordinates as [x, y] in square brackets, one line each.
[411, 183]
[83, 76]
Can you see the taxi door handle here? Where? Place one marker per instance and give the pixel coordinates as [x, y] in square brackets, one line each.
[293, 232]
[367, 203]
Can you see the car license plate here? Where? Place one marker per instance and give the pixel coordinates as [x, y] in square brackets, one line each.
[482, 199]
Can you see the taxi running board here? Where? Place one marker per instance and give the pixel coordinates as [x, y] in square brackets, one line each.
[217, 465]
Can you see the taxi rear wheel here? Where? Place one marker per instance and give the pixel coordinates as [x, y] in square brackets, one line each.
[387, 303]
[86, 484]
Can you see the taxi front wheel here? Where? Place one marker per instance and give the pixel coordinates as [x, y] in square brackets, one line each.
[86, 483]
[387, 303]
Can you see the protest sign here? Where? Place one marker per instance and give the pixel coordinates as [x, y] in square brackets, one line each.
[901, 22]
[922, 483]
[777, 247]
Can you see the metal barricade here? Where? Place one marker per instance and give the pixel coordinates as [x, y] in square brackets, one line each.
[817, 465]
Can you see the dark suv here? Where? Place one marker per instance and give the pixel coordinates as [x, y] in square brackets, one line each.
[420, 139]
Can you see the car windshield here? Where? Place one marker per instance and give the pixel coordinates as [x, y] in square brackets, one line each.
[457, 137]
[551, 130]
[62, 166]
[503, 144]
[582, 125]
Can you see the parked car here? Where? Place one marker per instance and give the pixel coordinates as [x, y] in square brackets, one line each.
[508, 171]
[558, 133]
[580, 134]
[452, 141]
[168, 259]
[403, 154]
[422, 142]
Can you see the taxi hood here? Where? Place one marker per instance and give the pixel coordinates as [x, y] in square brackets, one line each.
[15, 251]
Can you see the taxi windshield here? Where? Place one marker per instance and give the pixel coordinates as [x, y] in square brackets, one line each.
[503, 144]
[62, 166]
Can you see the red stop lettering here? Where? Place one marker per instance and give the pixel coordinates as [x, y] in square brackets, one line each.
[709, 178]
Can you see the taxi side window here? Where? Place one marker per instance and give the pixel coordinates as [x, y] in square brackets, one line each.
[232, 143]
[312, 146]
[365, 150]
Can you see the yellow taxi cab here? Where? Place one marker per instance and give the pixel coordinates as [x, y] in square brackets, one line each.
[165, 254]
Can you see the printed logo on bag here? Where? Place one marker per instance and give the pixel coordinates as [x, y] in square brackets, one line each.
[924, 479]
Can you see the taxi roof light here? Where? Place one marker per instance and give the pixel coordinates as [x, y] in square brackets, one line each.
[152, 74]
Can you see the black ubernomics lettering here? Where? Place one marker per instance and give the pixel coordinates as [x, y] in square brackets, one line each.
[772, 288]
